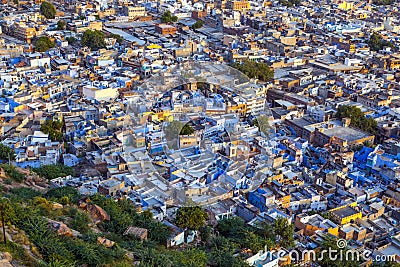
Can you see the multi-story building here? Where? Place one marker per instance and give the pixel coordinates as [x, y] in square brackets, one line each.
[241, 5]
[165, 29]
[133, 12]
[346, 215]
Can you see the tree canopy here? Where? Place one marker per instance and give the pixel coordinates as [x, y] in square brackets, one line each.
[93, 39]
[53, 128]
[6, 152]
[54, 171]
[30, 210]
[330, 244]
[48, 10]
[254, 69]
[117, 37]
[245, 236]
[43, 43]
[262, 123]
[376, 42]
[61, 24]
[191, 217]
[70, 39]
[186, 130]
[357, 118]
[167, 17]
[12, 172]
[285, 232]
[197, 25]
[289, 3]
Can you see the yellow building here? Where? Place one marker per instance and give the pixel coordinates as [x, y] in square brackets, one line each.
[25, 33]
[278, 177]
[346, 5]
[239, 108]
[346, 215]
[93, 25]
[285, 201]
[159, 116]
[139, 141]
[134, 11]
[362, 15]
[394, 63]
[188, 141]
[349, 204]
[107, 12]
[240, 5]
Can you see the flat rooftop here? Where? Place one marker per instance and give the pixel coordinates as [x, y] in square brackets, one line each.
[346, 133]
[345, 212]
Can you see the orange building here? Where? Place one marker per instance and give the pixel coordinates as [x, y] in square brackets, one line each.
[312, 223]
[241, 5]
[165, 29]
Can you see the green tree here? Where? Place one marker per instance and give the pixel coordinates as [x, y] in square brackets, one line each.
[267, 231]
[357, 119]
[326, 215]
[57, 194]
[80, 221]
[330, 243]
[53, 128]
[262, 123]
[93, 39]
[6, 153]
[191, 217]
[54, 250]
[186, 130]
[377, 43]
[197, 25]
[222, 253]
[252, 241]
[43, 43]
[61, 24]
[190, 257]
[254, 69]
[71, 40]
[12, 172]
[385, 264]
[53, 171]
[7, 211]
[117, 37]
[232, 227]
[205, 233]
[167, 17]
[48, 10]
[24, 193]
[285, 232]
[16, 2]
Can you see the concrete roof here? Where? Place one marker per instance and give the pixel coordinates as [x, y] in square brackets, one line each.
[346, 133]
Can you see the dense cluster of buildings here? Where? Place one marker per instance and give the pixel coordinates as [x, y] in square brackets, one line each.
[162, 120]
